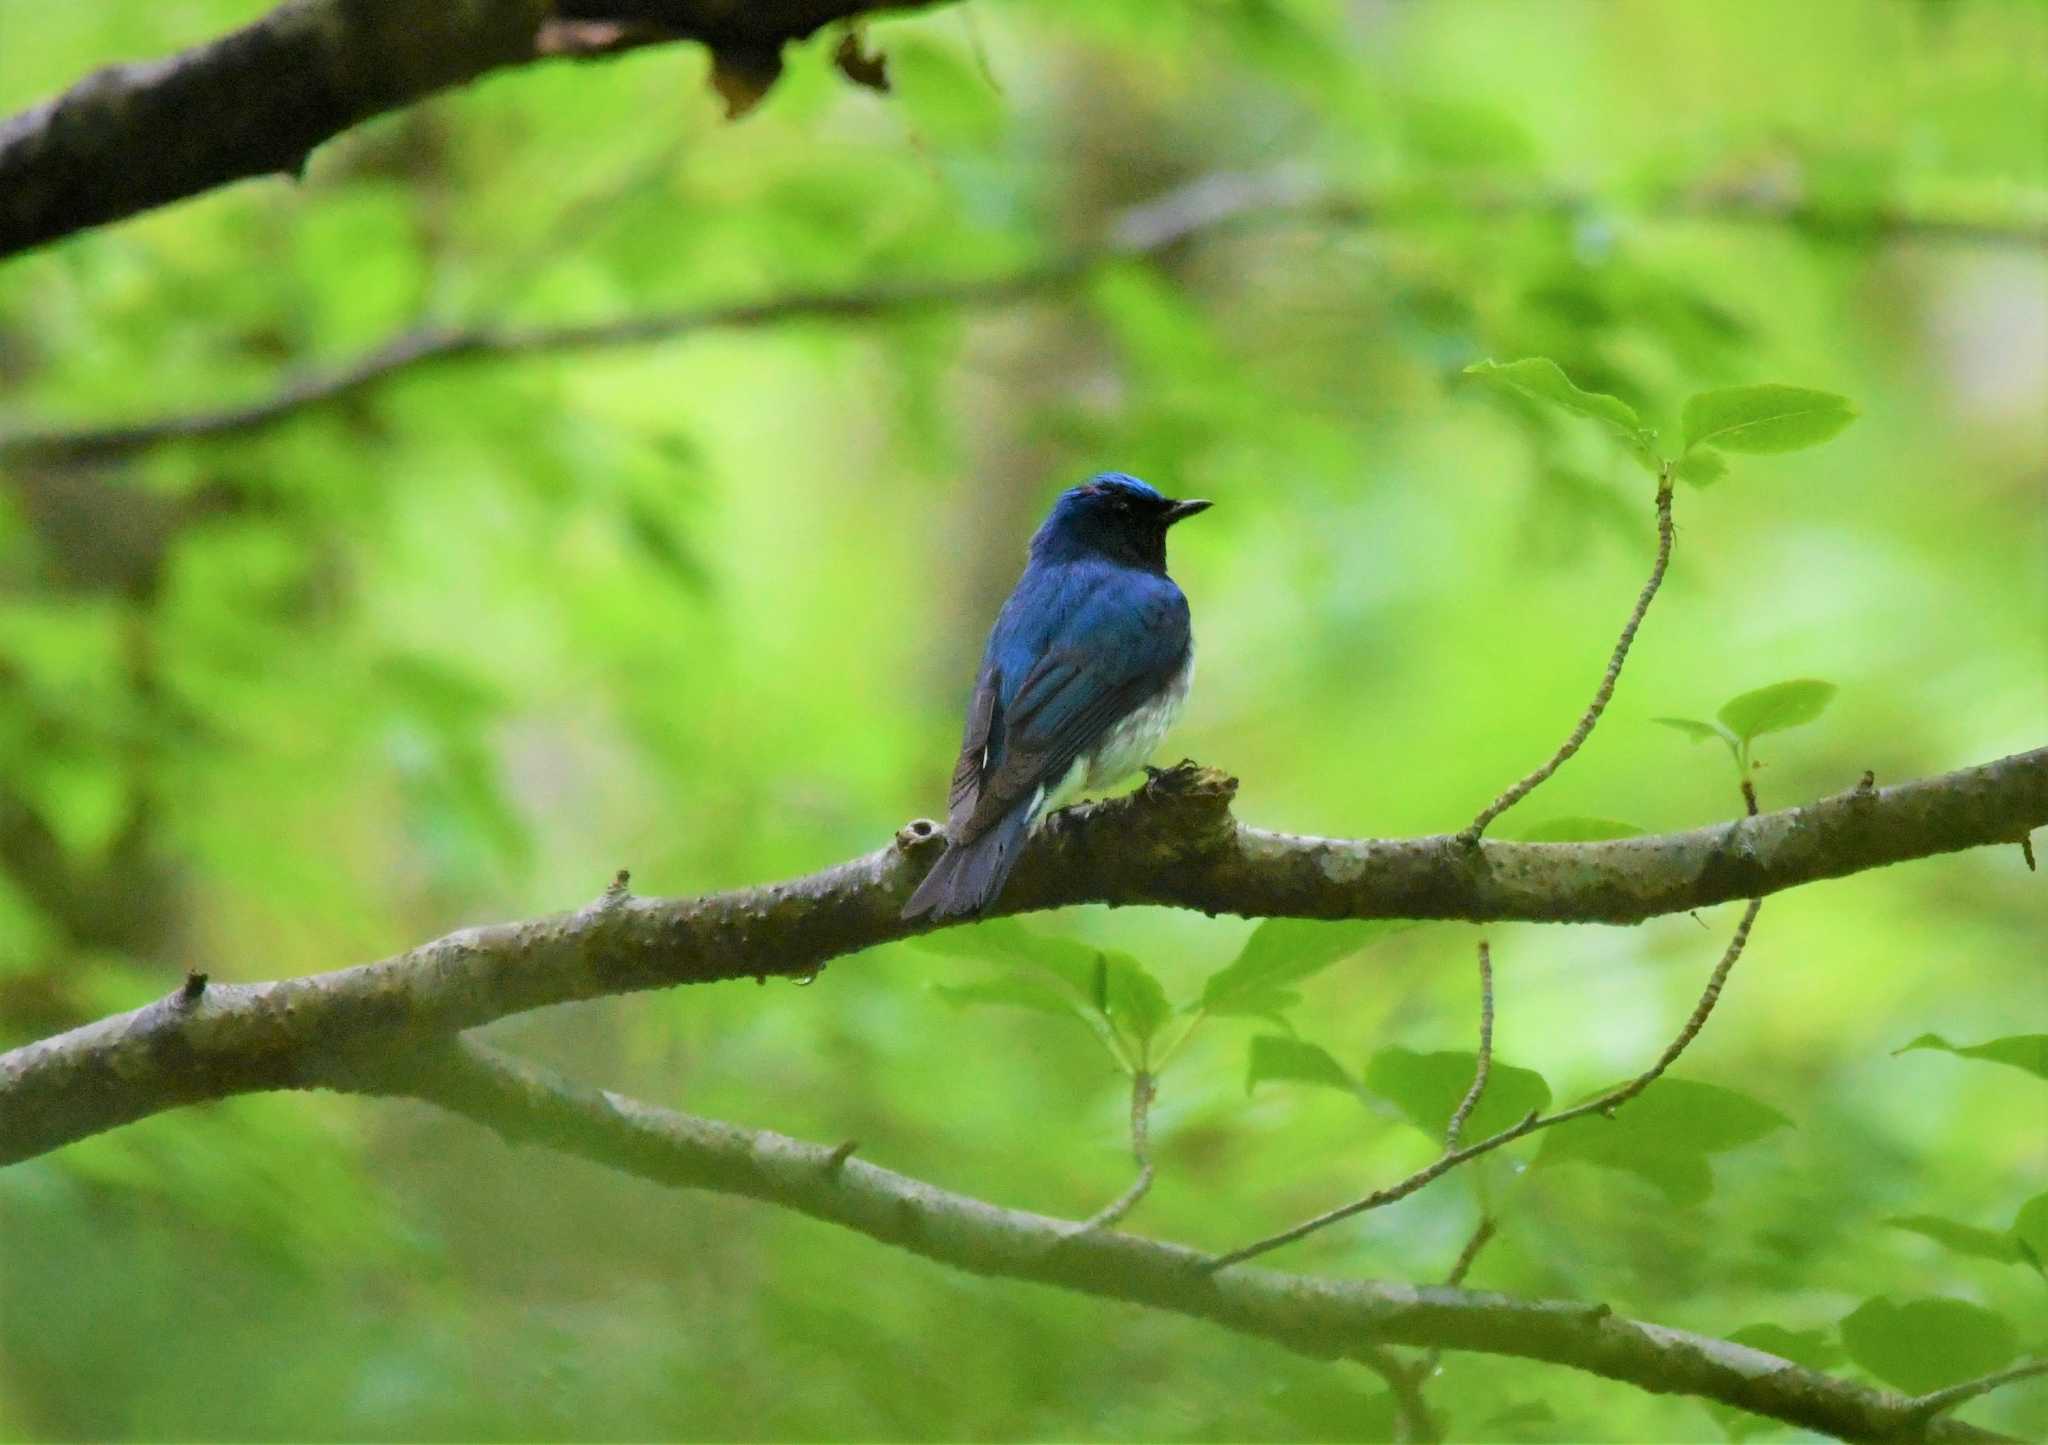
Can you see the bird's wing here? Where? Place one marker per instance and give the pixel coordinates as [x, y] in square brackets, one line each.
[982, 718]
[1116, 652]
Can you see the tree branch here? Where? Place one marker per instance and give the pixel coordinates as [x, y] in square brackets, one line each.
[1322, 1318]
[1210, 203]
[1172, 842]
[258, 100]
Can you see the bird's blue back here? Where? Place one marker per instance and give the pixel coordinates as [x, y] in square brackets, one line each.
[1119, 622]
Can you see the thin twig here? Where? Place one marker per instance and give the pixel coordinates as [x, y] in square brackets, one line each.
[1473, 830]
[1144, 1089]
[1532, 1122]
[1485, 1065]
[1208, 204]
[1413, 1422]
[1922, 1408]
[1482, 1235]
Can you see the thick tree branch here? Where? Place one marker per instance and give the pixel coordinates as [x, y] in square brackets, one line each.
[258, 100]
[1173, 843]
[1322, 1318]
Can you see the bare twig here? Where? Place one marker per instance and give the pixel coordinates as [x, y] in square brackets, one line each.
[1925, 1407]
[1470, 836]
[1414, 1424]
[1605, 1104]
[1485, 1062]
[1482, 1235]
[1144, 1089]
[1143, 230]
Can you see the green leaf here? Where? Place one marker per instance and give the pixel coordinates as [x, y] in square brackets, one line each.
[1133, 998]
[1927, 1344]
[1114, 985]
[1427, 1088]
[1811, 1348]
[1702, 468]
[2022, 1051]
[2030, 1232]
[1775, 708]
[1015, 990]
[1541, 379]
[1665, 1134]
[1274, 1056]
[1962, 1238]
[1698, 731]
[1767, 418]
[1004, 940]
[1283, 951]
[1580, 830]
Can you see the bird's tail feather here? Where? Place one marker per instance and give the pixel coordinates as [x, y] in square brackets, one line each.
[967, 879]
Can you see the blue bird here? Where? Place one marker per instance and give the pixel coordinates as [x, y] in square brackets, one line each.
[1084, 672]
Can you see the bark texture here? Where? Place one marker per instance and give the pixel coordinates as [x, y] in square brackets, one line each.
[258, 100]
[1173, 842]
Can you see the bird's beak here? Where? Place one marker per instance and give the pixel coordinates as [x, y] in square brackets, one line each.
[1181, 511]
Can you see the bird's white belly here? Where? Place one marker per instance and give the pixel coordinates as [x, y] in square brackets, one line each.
[1130, 743]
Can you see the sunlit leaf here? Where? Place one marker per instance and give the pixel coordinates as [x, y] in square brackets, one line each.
[1698, 731]
[1775, 708]
[2021, 1051]
[1283, 951]
[1427, 1088]
[1767, 418]
[1542, 379]
[1295, 1061]
[1580, 830]
[1927, 1344]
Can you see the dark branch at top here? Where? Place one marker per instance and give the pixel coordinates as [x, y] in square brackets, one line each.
[1174, 842]
[258, 100]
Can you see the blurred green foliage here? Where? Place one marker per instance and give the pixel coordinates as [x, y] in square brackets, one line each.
[454, 648]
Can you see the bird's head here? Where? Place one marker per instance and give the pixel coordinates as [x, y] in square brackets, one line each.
[1115, 516]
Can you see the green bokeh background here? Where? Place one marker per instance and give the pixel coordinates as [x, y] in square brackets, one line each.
[455, 649]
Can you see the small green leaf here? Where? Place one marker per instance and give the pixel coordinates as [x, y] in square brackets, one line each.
[1004, 940]
[1274, 1056]
[1541, 379]
[2030, 1232]
[1283, 951]
[1665, 1134]
[2022, 1051]
[1133, 998]
[1927, 1344]
[1811, 1348]
[1580, 830]
[1775, 708]
[1962, 1238]
[1698, 731]
[1701, 468]
[1015, 990]
[1767, 418]
[1427, 1088]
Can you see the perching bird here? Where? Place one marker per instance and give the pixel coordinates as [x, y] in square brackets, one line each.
[1085, 669]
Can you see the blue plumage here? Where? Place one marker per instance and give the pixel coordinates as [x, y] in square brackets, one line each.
[1084, 670]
